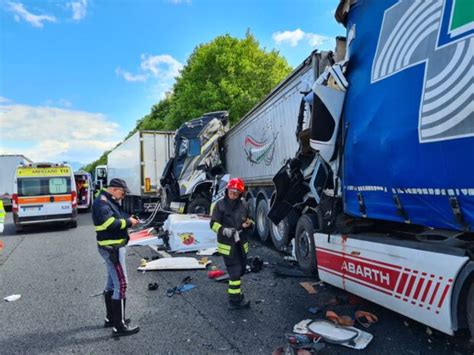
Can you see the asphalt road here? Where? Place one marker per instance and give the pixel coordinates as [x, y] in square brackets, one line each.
[58, 271]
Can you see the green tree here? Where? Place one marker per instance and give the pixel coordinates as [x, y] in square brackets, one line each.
[225, 74]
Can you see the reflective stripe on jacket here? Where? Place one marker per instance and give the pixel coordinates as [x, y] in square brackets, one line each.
[110, 221]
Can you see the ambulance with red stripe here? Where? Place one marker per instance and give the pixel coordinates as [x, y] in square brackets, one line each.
[382, 185]
[44, 193]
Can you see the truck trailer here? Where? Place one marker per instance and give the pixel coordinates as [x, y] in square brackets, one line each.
[383, 183]
[8, 164]
[140, 160]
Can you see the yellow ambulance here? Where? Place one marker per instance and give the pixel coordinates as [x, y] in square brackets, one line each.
[44, 193]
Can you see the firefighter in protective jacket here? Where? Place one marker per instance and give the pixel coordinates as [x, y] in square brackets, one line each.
[111, 225]
[230, 220]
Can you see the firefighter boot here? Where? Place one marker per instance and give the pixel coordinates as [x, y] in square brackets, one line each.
[108, 321]
[238, 302]
[120, 328]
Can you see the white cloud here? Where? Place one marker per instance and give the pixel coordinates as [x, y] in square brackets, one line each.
[79, 9]
[20, 12]
[296, 36]
[161, 65]
[55, 134]
[160, 70]
[129, 76]
[4, 100]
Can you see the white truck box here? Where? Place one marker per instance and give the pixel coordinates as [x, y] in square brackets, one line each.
[140, 158]
[8, 164]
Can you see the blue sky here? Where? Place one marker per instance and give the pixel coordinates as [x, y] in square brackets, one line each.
[75, 76]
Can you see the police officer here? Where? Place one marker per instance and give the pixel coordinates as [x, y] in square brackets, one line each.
[111, 225]
[230, 220]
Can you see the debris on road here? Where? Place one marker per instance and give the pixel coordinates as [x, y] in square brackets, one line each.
[313, 310]
[366, 319]
[308, 286]
[12, 298]
[152, 286]
[179, 263]
[207, 252]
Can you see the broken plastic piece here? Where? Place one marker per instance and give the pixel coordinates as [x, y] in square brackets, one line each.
[215, 273]
[12, 298]
[313, 310]
[365, 319]
[345, 321]
[208, 251]
[308, 286]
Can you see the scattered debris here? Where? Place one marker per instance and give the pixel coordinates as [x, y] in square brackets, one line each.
[429, 331]
[290, 270]
[12, 298]
[366, 319]
[204, 261]
[189, 232]
[343, 320]
[97, 294]
[180, 263]
[208, 251]
[145, 237]
[215, 273]
[177, 290]
[314, 310]
[153, 286]
[163, 254]
[254, 264]
[224, 277]
[308, 286]
[347, 336]
[304, 341]
[259, 301]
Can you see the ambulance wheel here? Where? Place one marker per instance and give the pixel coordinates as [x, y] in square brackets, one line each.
[304, 242]
[470, 309]
[73, 224]
[261, 220]
[18, 228]
[199, 205]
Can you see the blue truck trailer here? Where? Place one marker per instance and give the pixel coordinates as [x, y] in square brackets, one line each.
[383, 179]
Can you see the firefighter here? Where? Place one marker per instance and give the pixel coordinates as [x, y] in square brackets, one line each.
[111, 225]
[230, 220]
[2, 216]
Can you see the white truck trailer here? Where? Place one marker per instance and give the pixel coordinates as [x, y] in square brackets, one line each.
[264, 139]
[8, 164]
[139, 161]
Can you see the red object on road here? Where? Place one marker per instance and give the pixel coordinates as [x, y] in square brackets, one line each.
[215, 273]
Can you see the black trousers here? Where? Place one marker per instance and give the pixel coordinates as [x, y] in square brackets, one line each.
[236, 266]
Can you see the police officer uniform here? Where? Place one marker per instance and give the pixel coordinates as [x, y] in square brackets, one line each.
[111, 224]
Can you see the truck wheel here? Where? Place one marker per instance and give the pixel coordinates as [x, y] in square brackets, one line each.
[261, 220]
[199, 205]
[304, 242]
[280, 234]
[470, 309]
[284, 232]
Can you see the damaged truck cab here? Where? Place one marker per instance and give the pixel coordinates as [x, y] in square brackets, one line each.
[198, 158]
[382, 181]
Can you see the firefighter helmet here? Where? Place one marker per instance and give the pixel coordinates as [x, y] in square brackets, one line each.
[236, 184]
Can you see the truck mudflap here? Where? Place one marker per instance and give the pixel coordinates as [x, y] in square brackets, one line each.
[405, 280]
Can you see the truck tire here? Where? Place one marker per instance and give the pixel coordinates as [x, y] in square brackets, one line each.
[470, 309]
[284, 232]
[199, 205]
[261, 220]
[304, 242]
